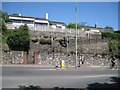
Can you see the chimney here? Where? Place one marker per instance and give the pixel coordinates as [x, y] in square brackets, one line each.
[96, 25]
[46, 16]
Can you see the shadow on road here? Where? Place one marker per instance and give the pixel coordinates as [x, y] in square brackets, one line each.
[93, 86]
[115, 85]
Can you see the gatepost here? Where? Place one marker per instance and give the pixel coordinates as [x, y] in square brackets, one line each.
[35, 57]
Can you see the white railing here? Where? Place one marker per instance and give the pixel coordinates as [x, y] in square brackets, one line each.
[50, 29]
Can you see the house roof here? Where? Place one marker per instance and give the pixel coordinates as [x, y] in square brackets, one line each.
[28, 17]
[41, 19]
[21, 16]
[54, 22]
[92, 27]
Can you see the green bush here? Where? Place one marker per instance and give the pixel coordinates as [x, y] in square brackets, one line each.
[19, 38]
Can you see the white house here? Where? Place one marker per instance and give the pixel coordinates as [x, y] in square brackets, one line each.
[55, 24]
[18, 20]
[92, 29]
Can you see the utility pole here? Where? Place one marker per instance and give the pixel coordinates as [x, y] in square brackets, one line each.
[76, 34]
[67, 52]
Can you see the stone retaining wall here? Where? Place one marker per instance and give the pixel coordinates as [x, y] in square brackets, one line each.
[45, 58]
[12, 57]
[52, 54]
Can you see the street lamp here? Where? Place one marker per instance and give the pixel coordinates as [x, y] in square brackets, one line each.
[76, 34]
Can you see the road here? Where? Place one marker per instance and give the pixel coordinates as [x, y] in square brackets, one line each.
[12, 77]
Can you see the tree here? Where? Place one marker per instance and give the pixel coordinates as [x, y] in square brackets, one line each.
[82, 23]
[15, 14]
[117, 31]
[2, 25]
[73, 26]
[108, 27]
[87, 29]
[4, 16]
[19, 39]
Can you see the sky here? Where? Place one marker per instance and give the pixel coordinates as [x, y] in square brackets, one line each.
[104, 13]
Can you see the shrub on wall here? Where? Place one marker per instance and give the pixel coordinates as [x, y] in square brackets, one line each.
[48, 41]
[19, 39]
[42, 41]
[46, 36]
[45, 41]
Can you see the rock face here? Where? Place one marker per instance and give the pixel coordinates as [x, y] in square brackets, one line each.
[45, 49]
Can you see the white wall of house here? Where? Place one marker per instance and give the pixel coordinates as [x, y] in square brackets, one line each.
[19, 24]
[59, 25]
[82, 29]
[53, 26]
[30, 24]
[41, 21]
[16, 18]
[63, 27]
[20, 18]
[92, 31]
[14, 23]
[31, 19]
[95, 31]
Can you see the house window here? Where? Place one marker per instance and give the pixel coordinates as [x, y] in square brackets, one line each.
[59, 27]
[16, 21]
[41, 24]
[27, 22]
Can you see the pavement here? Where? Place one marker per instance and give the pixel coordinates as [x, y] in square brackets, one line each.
[43, 66]
[51, 67]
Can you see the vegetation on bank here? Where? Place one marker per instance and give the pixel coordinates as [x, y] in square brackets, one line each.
[82, 24]
[114, 42]
[108, 27]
